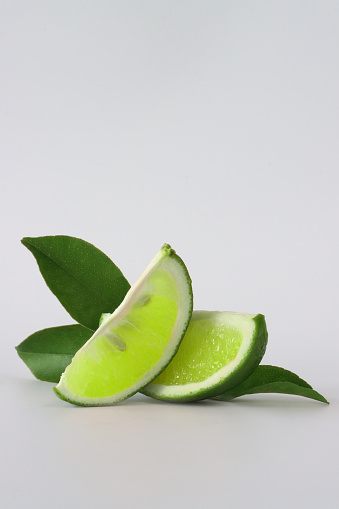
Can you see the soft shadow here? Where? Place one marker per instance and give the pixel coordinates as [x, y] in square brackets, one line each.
[276, 401]
[41, 393]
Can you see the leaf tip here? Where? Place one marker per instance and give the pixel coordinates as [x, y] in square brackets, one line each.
[26, 241]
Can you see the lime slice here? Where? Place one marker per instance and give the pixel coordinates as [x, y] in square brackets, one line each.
[219, 350]
[134, 344]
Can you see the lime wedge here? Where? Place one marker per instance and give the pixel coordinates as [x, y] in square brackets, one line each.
[218, 352]
[134, 344]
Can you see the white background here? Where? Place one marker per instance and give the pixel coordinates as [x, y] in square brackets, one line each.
[210, 125]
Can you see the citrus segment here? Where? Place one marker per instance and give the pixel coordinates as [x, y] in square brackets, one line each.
[219, 349]
[135, 343]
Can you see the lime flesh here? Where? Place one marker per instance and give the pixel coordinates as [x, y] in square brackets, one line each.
[134, 344]
[220, 349]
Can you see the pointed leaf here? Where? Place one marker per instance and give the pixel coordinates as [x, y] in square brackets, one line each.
[48, 352]
[272, 379]
[83, 278]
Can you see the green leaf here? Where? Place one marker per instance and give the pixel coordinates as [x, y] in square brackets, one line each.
[48, 352]
[272, 379]
[83, 278]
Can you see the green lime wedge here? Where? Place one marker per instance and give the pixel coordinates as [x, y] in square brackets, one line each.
[134, 344]
[218, 352]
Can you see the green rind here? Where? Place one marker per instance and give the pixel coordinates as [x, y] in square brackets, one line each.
[169, 252]
[166, 248]
[61, 396]
[48, 352]
[272, 379]
[84, 404]
[247, 365]
[251, 360]
[84, 280]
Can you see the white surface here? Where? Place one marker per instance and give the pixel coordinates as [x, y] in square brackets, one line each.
[213, 126]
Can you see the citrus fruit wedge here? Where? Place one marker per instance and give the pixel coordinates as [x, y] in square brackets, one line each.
[218, 352]
[134, 344]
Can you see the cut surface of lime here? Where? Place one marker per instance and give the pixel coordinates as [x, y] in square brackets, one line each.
[219, 350]
[134, 344]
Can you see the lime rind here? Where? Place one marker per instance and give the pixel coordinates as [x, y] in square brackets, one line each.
[247, 359]
[171, 263]
[166, 248]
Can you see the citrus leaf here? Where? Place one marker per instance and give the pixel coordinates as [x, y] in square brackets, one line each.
[272, 379]
[48, 352]
[83, 278]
